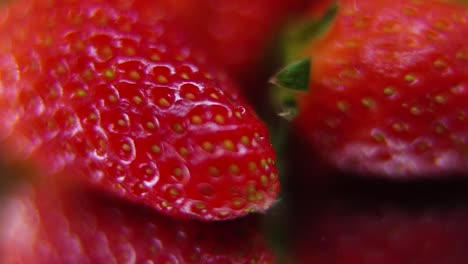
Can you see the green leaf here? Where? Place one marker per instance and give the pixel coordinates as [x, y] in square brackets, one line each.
[294, 76]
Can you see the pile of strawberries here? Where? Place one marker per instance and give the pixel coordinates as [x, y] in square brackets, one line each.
[158, 131]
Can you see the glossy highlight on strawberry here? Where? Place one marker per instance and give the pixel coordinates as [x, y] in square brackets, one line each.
[99, 91]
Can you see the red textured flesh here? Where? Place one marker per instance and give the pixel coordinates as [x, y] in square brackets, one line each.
[95, 90]
[416, 129]
[238, 33]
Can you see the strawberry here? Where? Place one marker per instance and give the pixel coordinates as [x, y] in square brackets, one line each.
[97, 91]
[383, 223]
[44, 224]
[380, 87]
[237, 32]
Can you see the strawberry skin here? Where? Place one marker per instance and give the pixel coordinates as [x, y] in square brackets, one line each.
[44, 224]
[99, 90]
[237, 32]
[388, 89]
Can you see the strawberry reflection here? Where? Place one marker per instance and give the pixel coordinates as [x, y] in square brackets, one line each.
[361, 222]
[47, 224]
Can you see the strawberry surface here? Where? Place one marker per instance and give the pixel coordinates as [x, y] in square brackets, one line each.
[47, 224]
[237, 33]
[106, 92]
[388, 88]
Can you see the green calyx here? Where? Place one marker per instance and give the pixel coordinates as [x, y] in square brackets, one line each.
[295, 77]
[290, 80]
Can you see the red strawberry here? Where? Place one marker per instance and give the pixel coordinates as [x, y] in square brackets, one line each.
[50, 225]
[93, 89]
[237, 32]
[387, 87]
[382, 224]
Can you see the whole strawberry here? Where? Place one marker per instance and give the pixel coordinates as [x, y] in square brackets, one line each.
[94, 90]
[386, 87]
[46, 224]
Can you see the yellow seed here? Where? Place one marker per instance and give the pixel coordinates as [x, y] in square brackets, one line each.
[410, 78]
[207, 146]
[213, 171]
[379, 137]
[178, 127]
[189, 96]
[106, 52]
[122, 122]
[440, 128]
[219, 119]
[93, 116]
[162, 79]
[439, 64]
[149, 171]
[245, 140]
[214, 96]
[87, 74]
[229, 145]
[196, 119]
[342, 106]
[47, 41]
[252, 166]
[440, 99]
[156, 149]
[237, 202]
[251, 188]
[368, 102]
[155, 57]
[200, 206]
[134, 75]
[126, 147]
[112, 98]
[137, 99]
[178, 172]
[264, 180]
[174, 192]
[461, 55]
[163, 102]
[185, 76]
[415, 110]
[109, 74]
[389, 91]
[81, 93]
[150, 125]
[61, 69]
[130, 51]
[399, 127]
[259, 196]
[183, 151]
[273, 176]
[234, 169]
